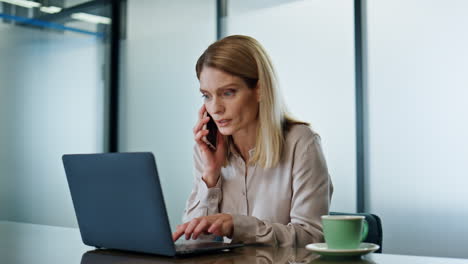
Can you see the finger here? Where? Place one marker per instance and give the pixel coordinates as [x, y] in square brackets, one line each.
[205, 151]
[176, 235]
[199, 136]
[201, 227]
[215, 227]
[199, 125]
[191, 226]
[201, 112]
[227, 227]
[179, 232]
[204, 148]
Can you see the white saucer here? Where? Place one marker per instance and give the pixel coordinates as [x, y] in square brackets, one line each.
[322, 249]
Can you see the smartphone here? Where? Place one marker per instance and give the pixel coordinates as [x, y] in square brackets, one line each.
[211, 138]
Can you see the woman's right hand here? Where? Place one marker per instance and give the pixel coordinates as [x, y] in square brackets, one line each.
[213, 160]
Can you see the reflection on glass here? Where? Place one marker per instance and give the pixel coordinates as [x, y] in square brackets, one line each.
[257, 255]
[246, 255]
[84, 17]
[355, 260]
[54, 76]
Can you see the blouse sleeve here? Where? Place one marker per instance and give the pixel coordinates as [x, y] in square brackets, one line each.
[312, 190]
[202, 201]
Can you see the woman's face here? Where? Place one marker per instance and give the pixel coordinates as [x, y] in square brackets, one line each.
[229, 101]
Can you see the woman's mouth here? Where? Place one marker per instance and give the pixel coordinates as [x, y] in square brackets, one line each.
[223, 122]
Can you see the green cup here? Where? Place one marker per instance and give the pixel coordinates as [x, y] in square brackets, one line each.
[344, 231]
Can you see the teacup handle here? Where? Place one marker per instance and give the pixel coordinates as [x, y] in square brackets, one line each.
[365, 230]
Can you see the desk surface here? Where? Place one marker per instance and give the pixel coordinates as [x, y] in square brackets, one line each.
[38, 244]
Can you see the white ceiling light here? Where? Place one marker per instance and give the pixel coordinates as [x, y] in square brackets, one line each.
[23, 3]
[91, 18]
[50, 9]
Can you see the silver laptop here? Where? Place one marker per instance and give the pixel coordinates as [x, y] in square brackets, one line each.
[119, 204]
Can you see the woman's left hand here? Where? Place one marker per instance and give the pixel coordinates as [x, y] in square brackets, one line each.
[218, 224]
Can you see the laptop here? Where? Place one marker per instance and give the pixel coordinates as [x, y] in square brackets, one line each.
[119, 204]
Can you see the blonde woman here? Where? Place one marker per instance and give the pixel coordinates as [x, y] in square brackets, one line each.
[267, 181]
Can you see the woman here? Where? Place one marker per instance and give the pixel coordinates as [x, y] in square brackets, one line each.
[267, 181]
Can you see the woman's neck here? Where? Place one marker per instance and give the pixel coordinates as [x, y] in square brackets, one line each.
[245, 140]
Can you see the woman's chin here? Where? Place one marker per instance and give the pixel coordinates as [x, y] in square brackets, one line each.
[225, 131]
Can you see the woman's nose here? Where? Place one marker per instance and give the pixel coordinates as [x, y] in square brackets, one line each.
[216, 106]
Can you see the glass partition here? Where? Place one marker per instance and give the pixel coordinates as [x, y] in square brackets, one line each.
[311, 44]
[54, 70]
[417, 126]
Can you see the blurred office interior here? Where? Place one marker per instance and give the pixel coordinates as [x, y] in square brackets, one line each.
[384, 82]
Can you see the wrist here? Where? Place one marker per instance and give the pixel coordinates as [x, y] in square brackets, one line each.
[210, 179]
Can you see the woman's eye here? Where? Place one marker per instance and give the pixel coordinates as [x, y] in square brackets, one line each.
[229, 92]
[204, 96]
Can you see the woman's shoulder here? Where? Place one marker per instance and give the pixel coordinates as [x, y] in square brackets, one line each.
[300, 132]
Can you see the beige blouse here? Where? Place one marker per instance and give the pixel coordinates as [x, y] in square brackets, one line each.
[278, 206]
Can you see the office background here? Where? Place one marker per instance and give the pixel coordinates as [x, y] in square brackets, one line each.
[404, 157]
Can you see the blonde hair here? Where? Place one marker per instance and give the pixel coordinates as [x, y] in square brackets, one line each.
[245, 57]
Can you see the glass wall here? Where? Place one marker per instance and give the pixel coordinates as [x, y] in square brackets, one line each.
[52, 91]
[311, 44]
[160, 94]
[417, 125]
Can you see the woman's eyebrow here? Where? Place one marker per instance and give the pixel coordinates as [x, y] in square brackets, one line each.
[219, 88]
